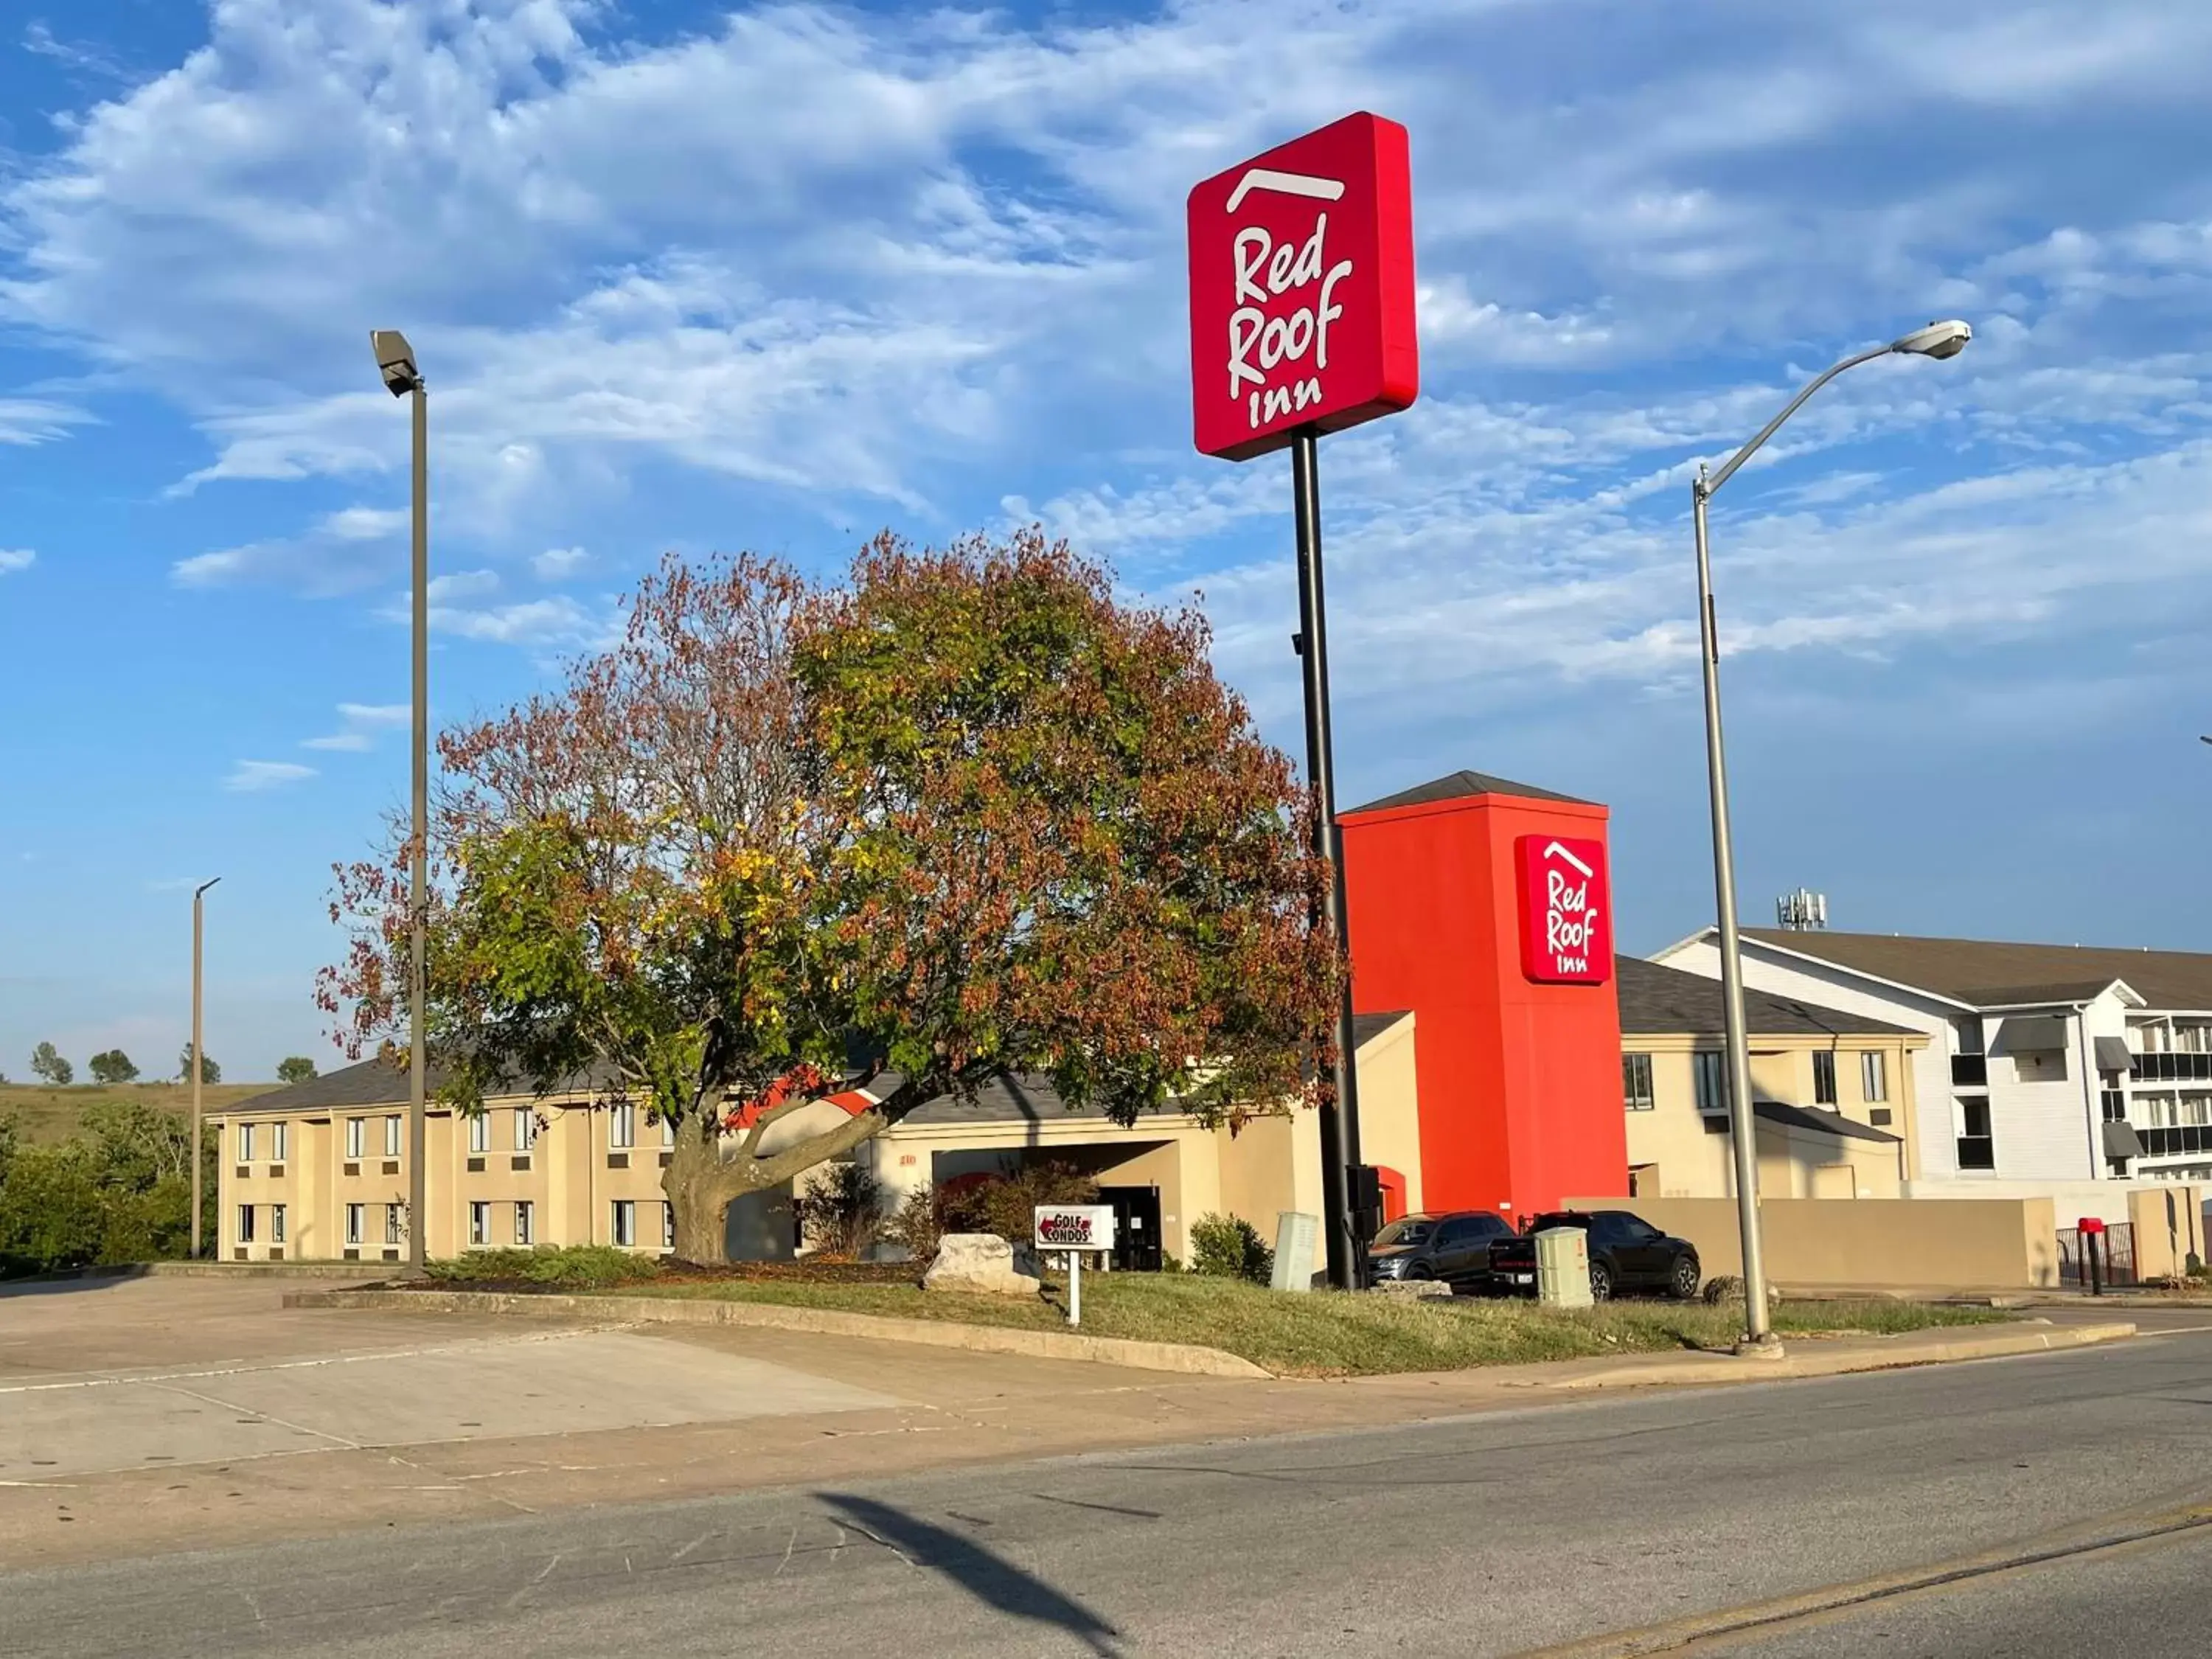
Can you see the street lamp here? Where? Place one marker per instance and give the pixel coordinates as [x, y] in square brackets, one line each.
[395, 361]
[198, 892]
[1937, 340]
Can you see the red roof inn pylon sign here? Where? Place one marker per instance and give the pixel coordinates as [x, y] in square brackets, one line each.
[1301, 323]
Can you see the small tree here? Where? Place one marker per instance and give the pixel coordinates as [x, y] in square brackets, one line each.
[111, 1067]
[295, 1068]
[46, 1062]
[210, 1071]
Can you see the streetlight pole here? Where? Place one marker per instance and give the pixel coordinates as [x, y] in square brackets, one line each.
[198, 933]
[1937, 340]
[395, 361]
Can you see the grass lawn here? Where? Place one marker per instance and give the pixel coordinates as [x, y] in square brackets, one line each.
[49, 1115]
[1323, 1334]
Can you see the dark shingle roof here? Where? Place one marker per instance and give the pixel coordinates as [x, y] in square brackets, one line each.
[1366, 1028]
[1657, 1000]
[1990, 972]
[1461, 785]
[1827, 1123]
[374, 1082]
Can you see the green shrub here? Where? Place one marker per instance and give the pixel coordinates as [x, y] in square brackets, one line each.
[118, 1191]
[567, 1266]
[840, 1212]
[917, 1224]
[1230, 1247]
[1006, 1203]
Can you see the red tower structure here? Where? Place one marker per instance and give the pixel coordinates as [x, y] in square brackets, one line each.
[1485, 906]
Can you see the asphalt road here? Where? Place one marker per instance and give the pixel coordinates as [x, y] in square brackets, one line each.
[2055, 1498]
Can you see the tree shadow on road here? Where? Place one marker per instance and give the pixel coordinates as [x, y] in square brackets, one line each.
[990, 1579]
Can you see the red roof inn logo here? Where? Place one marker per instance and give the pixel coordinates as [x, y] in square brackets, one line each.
[1302, 288]
[1567, 912]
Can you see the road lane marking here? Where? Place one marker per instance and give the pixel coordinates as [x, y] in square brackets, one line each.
[1725, 1625]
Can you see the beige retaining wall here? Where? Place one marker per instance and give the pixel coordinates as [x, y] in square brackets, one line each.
[1969, 1242]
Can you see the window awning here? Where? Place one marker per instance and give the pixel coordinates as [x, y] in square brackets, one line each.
[2113, 1055]
[2029, 1034]
[2121, 1141]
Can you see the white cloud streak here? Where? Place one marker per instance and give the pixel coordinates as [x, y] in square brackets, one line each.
[257, 777]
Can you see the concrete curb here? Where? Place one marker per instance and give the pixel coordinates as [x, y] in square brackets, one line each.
[1182, 1358]
[1804, 1357]
[357, 1273]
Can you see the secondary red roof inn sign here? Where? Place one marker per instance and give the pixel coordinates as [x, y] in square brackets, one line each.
[1566, 911]
[1301, 290]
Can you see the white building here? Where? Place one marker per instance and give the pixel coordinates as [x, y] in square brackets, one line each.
[2047, 1064]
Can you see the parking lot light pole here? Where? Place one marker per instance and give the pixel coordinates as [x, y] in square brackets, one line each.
[1937, 340]
[395, 361]
[198, 931]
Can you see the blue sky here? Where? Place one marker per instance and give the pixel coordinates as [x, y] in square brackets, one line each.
[689, 276]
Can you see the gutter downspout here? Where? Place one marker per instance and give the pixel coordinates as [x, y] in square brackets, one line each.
[2089, 1107]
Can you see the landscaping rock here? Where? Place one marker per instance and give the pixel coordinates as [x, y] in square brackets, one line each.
[1728, 1288]
[981, 1264]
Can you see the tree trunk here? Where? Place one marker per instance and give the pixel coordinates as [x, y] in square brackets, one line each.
[707, 1172]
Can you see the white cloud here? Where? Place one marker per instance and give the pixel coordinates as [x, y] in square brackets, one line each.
[463, 584]
[13, 559]
[28, 421]
[556, 621]
[559, 563]
[254, 776]
[340, 552]
[363, 721]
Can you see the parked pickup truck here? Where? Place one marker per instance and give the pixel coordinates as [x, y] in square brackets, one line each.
[1627, 1253]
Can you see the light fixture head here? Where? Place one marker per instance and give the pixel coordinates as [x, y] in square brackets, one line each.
[1937, 340]
[395, 361]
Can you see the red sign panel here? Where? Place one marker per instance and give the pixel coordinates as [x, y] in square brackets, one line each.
[1302, 288]
[1566, 911]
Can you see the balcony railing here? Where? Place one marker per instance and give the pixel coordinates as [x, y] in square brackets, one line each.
[2169, 1068]
[2170, 1143]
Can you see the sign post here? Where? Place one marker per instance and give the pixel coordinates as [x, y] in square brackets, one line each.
[1301, 323]
[1075, 1228]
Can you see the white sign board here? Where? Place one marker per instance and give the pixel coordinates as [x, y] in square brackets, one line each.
[1075, 1226]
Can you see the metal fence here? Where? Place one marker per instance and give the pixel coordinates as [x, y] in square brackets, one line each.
[2116, 1251]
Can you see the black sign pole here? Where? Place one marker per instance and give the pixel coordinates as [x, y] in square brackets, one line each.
[1339, 1114]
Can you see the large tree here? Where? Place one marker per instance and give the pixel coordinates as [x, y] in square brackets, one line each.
[113, 1065]
[968, 815]
[46, 1062]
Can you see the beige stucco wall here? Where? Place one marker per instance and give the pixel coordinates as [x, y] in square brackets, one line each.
[1883, 1244]
[1690, 1161]
[2169, 1227]
[571, 1179]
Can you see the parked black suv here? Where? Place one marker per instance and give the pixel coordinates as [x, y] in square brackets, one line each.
[1627, 1253]
[1454, 1247]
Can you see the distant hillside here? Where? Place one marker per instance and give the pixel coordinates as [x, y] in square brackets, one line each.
[50, 1114]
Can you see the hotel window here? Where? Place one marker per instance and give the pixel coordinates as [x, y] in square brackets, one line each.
[1705, 1070]
[355, 1220]
[479, 1222]
[525, 1129]
[667, 1225]
[622, 1126]
[280, 1141]
[276, 1224]
[1635, 1081]
[522, 1221]
[625, 1221]
[246, 1224]
[246, 1143]
[1977, 1150]
[667, 1133]
[1824, 1077]
[1874, 1075]
[480, 1133]
[391, 1135]
[356, 1136]
[392, 1214]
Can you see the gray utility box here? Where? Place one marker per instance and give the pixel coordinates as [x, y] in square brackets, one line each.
[1297, 1238]
[1563, 1267]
